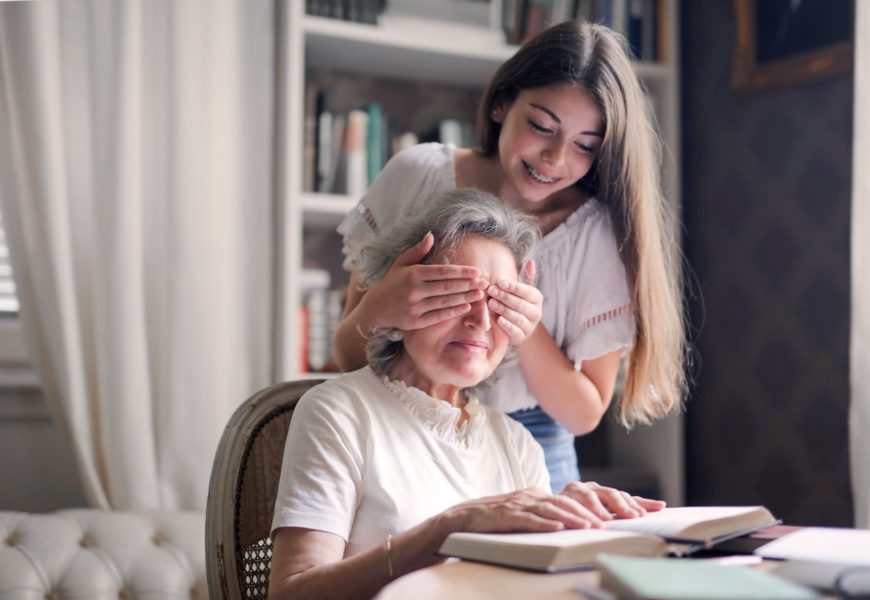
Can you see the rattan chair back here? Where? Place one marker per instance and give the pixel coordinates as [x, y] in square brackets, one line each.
[242, 489]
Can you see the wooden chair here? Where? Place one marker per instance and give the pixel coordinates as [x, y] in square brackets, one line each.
[241, 493]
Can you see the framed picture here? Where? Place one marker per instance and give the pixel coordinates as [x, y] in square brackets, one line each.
[783, 42]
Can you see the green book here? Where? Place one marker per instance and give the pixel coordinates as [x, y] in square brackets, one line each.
[692, 579]
[374, 141]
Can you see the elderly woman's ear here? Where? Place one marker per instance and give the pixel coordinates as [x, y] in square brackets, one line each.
[528, 272]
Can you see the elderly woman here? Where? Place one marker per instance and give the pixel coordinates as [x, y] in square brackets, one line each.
[381, 464]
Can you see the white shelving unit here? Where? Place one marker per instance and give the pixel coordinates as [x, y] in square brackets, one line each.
[420, 50]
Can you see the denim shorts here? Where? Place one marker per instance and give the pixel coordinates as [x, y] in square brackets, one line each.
[557, 442]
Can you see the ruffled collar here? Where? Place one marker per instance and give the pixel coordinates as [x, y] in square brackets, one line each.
[441, 417]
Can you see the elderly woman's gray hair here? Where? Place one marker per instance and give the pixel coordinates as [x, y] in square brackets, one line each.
[450, 216]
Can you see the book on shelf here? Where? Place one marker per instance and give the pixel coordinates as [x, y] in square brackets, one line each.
[642, 28]
[356, 166]
[690, 528]
[634, 27]
[336, 180]
[817, 556]
[635, 578]
[323, 143]
[359, 11]
[374, 141]
[309, 156]
[512, 20]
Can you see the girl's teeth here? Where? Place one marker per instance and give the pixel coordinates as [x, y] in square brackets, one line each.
[537, 176]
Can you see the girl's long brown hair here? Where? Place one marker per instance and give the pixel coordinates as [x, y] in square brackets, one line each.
[626, 179]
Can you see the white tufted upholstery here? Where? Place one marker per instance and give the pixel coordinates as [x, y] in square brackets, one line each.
[96, 555]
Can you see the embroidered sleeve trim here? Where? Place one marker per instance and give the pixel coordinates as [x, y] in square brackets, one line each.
[606, 316]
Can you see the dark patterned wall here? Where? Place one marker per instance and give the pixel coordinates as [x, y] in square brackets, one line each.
[766, 194]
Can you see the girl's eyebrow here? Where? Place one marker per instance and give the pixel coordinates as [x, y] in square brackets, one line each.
[559, 121]
[546, 110]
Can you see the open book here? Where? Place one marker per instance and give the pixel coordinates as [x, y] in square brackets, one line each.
[552, 551]
[578, 548]
[703, 526]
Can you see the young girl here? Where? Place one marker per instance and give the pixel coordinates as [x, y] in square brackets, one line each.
[566, 135]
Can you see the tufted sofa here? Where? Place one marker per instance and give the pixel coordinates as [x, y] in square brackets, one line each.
[96, 555]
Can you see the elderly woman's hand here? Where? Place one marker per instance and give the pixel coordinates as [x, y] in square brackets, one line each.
[606, 502]
[523, 510]
[518, 305]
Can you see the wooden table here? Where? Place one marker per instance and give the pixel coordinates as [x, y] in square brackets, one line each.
[461, 580]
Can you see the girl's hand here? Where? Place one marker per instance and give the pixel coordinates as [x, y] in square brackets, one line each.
[518, 305]
[607, 503]
[523, 510]
[413, 296]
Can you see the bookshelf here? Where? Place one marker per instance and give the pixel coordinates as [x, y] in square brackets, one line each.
[411, 49]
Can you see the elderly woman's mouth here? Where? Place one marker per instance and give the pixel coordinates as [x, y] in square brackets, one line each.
[471, 345]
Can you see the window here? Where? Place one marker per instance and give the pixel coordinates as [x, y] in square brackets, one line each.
[15, 368]
[8, 299]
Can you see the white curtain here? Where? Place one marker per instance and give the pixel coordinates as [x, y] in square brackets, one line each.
[135, 180]
[859, 367]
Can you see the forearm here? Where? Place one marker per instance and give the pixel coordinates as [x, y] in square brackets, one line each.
[364, 574]
[567, 395]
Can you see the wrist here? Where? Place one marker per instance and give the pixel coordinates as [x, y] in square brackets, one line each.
[367, 319]
[451, 520]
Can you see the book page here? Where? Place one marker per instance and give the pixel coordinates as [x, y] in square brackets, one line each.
[670, 522]
[824, 544]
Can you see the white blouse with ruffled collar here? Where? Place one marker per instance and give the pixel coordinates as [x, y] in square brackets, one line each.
[441, 417]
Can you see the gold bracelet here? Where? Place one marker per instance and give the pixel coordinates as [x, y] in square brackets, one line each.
[389, 545]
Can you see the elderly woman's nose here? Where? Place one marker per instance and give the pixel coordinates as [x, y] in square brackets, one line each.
[478, 317]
